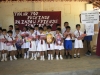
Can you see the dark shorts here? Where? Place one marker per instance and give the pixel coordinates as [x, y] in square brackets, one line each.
[18, 47]
[88, 38]
[68, 44]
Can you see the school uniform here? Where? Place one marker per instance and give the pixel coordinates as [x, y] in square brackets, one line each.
[51, 45]
[25, 43]
[0, 41]
[68, 42]
[3, 44]
[32, 44]
[41, 43]
[11, 47]
[58, 38]
[78, 43]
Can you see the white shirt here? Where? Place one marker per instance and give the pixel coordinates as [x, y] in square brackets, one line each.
[77, 34]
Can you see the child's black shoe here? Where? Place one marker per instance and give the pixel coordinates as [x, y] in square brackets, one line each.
[78, 56]
[66, 56]
[70, 56]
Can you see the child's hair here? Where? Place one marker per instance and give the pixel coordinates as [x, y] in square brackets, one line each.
[68, 27]
[57, 25]
[4, 30]
[44, 25]
[40, 28]
[10, 31]
[59, 29]
[32, 28]
[49, 27]
[17, 29]
[16, 24]
[0, 28]
[36, 26]
[11, 26]
[65, 23]
[77, 25]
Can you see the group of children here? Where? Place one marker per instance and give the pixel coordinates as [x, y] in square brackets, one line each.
[39, 41]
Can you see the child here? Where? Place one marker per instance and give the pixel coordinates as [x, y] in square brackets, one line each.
[3, 45]
[78, 41]
[68, 42]
[18, 42]
[58, 43]
[32, 45]
[44, 29]
[25, 45]
[50, 43]
[58, 26]
[41, 44]
[37, 33]
[0, 41]
[11, 45]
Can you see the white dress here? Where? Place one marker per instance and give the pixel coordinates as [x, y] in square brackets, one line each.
[11, 47]
[3, 45]
[0, 42]
[52, 47]
[78, 43]
[41, 47]
[25, 44]
[32, 44]
[59, 47]
[36, 32]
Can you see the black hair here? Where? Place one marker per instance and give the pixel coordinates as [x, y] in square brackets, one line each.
[0, 28]
[57, 25]
[59, 29]
[65, 23]
[11, 26]
[4, 30]
[10, 31]
[44, 25]
[36, 26]
[40, 28]
[17, 29]
[31, 28]
[16, 24]
[77, 25]
[68, 27]
[49, 27]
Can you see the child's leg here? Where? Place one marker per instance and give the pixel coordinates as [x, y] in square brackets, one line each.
[57, 53]
[78, 52]
[14, 54]
[2, 55]
[75, 52]
[5, 55]
[48, 54]
[11, 55]
[61, 54]
[51, 52]
[70, 54]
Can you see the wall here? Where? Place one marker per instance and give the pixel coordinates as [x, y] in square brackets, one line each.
[70, 11]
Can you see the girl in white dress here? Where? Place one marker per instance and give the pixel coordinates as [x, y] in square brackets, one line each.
[32, 44]
[50, 43]
[25, 45]
[58, 43]
[11, 45]
[78, 41]
[41, 47]
[3, 38]
[0, 41]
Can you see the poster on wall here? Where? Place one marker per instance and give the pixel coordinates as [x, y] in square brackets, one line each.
[39, 18]
[89, 18]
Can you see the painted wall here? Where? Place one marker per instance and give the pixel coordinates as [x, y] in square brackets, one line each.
[70, 11]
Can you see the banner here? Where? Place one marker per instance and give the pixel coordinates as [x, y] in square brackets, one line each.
[89, 18]
[37, 18]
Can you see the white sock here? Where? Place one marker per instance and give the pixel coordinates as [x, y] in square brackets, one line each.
[78, 53]
[5, 55]
[51, 55]
[25, 54]
[2, 56]
[60, 55]
[48, 55]
[56, 56]
[75, 55]
[10, 57]
[14, 57]
[32, 55]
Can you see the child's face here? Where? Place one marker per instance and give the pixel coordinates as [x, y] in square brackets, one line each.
[10, 28]
[24, 29]
[41, 31]
[10, 34]
[49, 30]
[16, 26]
[78, 28]
[17, 31]
[31, 31]
[4, 32]
[68, 30]
[57, 31]
[36, 28]
[44, 28]
[66, 25]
